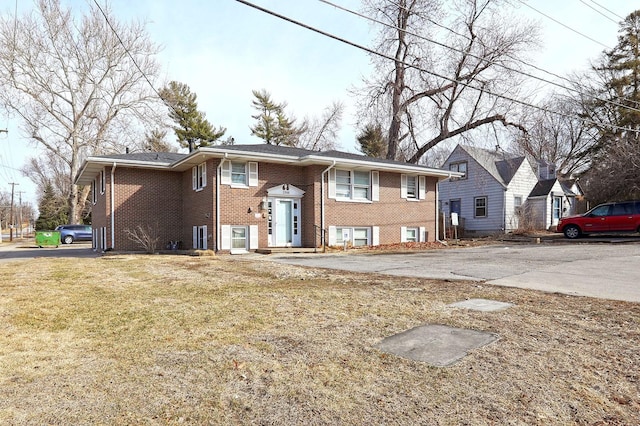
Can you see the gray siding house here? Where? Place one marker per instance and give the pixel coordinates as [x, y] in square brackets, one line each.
[501, 192]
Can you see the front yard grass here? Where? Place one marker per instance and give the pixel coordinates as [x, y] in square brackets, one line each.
[129, 339]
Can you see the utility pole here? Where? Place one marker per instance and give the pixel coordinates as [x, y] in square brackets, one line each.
[20, 212]
[13, 185]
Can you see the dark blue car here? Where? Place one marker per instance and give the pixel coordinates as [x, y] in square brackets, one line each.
[71, 233]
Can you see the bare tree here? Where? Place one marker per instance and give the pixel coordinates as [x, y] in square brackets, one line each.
[321, 133]
[73, 83]
[449, 64]
[145, 237]
[557, 135]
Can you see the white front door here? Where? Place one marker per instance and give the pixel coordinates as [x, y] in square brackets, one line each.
[284, 223]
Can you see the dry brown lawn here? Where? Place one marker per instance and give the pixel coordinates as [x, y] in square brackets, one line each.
[128, 339]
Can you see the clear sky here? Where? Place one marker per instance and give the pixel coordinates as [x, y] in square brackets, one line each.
[223, 50]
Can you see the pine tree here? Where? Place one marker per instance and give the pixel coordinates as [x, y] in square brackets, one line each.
[273, 125]
[193, 130]
[52, 210]
[372, 141]
[614, 174]
[623, 66]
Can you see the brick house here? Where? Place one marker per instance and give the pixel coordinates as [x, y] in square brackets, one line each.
[243, 197]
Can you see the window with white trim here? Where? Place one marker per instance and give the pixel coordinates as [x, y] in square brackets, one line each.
[239, 174]
[480, 209]
[238, 237]
[460, 166]
[357, 236]
[199, 176]
[517, 204]
[412, 235]
[94, 191]
[353, 184]
[361, 185]
[413, 187]
[343, 184]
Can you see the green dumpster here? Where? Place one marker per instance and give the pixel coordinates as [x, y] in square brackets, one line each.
[47, 238]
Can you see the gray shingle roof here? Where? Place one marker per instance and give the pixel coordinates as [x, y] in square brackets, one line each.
[152, 157]
[500, 164]
[542, 188]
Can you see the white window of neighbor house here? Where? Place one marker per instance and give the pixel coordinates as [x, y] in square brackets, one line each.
[460, 166]
[517, 204]
[411, 235]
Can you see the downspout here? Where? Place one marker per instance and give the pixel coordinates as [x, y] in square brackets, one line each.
[113, 220]
[437, 239]
[323, 174]
[218, 177]
[504, 212]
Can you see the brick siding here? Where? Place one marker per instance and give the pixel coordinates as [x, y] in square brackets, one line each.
[165, 200]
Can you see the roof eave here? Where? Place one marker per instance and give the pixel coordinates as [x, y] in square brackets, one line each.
[349, 162]
[93, 165]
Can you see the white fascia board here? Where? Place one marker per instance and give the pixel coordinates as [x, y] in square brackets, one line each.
[92, 166]
[374, 165]
[234, 154]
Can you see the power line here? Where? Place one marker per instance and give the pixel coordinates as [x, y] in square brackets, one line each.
[608, 10]
[597, 11]
[569, 89]
[374, 52]
[125, 48]
[564, 25]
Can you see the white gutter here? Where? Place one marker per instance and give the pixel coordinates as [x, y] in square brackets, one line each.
[218, 177]
[504, 212]
[113, 232]
[322, 175]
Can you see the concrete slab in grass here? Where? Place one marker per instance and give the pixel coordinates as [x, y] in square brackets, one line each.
[484, 305]
[438, 345]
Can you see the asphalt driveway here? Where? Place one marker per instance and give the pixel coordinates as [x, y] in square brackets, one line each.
[602, 270]
[26, 249]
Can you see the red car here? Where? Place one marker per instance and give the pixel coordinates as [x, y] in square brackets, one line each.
[610, 217]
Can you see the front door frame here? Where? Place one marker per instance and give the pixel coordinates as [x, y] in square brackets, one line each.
[278, 197]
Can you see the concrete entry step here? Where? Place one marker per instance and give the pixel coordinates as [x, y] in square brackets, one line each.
[438, 345]
[280, 250]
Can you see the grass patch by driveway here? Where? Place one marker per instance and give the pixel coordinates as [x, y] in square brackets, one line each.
[131, 339]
